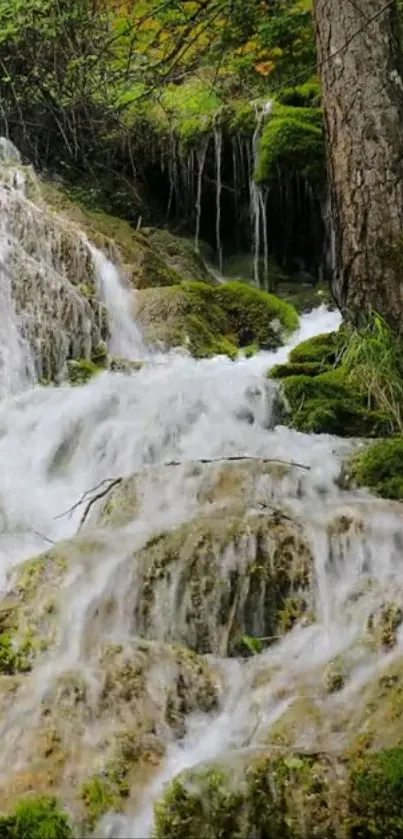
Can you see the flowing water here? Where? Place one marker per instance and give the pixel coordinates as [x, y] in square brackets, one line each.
[58, 444]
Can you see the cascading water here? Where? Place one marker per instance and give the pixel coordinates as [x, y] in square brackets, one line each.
[105, 603]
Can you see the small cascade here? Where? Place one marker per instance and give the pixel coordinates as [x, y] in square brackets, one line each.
[218, 165]
[126, 339]
[201, 154]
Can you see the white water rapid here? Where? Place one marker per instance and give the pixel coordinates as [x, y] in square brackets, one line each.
[57, 443]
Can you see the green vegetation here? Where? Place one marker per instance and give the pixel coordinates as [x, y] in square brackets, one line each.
[380, 468]
[81, 371]
[14, 658]
[348, 383]
[289, 797]
[292, 141]
[38, 817]
[376, 795]
[98, 795]
[215, 320]
[373, 361]
[328, 403]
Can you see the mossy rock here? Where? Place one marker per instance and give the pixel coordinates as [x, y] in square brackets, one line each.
[210, 321]
[266, 590]
[30, 623]
[149, 256]
[123, 365]
[311, 357]
[328, 403]
[383, 625]
[179, 255]
[380, 468]
[287, 796]
[304, 297]
[324, 349]
[255, 316]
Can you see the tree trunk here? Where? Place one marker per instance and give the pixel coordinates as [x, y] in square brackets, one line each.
[362, 88]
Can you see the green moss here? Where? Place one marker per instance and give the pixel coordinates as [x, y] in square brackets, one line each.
[335, 676]
[321, 349]
[303, 96]
[280, 796]
[99, 355]
[380, 468]
[215, 320]
[29, 575]
[328, 403]
[252, 314]
[383, 625]
[13, 658]
[151, 270]
[376, 795]
[307, 368]
[80, 372]
[217, 612]
[288, 796]
[103, 229]
[98, 796]
[190, 108]
[293, 141]
[179, 255]
[38, 817]
[190, 814]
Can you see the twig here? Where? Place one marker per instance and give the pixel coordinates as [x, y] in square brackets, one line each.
[238, 458]
[113, 482]
[85, 495]
[96, 498]
[42, 536]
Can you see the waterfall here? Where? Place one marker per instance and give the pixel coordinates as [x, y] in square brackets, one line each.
[218, 160]
[156, 509]
[126, 339]
[201, 160]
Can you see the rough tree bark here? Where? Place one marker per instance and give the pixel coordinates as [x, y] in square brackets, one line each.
[362, 89]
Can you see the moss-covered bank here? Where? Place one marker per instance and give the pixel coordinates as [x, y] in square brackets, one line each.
[321, 395]
[379, 468]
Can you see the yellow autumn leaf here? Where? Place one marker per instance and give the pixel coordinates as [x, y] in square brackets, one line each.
[264, 68]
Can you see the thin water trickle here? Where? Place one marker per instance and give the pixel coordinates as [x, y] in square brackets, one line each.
[201, 161]
[218, 162]
[258, 210]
